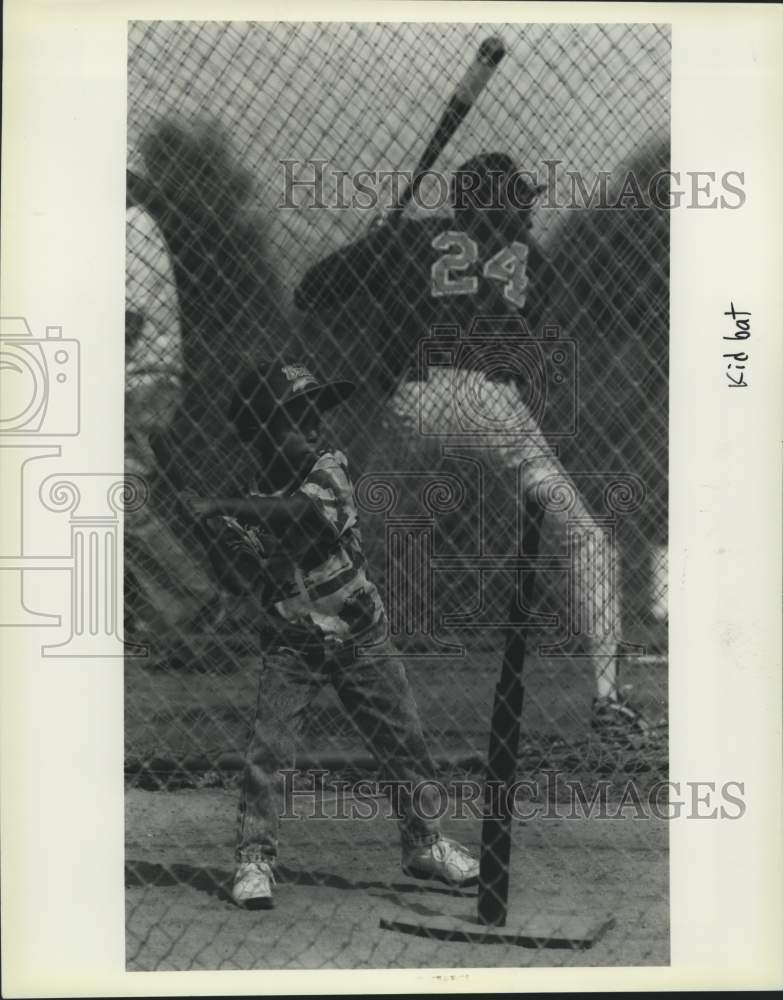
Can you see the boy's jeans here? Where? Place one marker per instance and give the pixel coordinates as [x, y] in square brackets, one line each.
[378, 699]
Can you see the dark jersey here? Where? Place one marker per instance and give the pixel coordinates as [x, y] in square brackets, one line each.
[397, 283]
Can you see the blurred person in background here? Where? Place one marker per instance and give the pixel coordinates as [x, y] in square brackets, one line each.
[199, 272]
[166, 587]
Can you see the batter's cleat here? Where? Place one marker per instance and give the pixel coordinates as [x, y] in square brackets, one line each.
[444, 861]
[617, 720]
[253, 883]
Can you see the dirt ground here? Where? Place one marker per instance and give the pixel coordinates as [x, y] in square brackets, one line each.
[176, 714]
[339, 878]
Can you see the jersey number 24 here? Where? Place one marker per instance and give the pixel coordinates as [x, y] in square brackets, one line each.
[508, 265]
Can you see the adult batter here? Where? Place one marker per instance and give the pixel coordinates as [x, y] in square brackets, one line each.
[483, 266]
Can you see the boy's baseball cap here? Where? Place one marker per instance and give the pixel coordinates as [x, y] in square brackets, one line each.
[268, 387]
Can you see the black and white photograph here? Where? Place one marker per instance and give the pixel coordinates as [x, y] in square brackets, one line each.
[389, 566]
[397, 386]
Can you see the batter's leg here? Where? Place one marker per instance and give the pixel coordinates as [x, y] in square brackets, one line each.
[512, 440]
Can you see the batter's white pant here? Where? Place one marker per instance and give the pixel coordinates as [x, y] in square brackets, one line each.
[463, 407]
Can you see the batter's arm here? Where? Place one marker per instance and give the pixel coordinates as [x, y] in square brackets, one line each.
[376, 265]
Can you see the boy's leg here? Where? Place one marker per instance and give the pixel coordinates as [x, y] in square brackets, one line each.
[378, 698]
[286, 686]
[380, 702]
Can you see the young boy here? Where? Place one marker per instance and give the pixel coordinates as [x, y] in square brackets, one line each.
[298, 549]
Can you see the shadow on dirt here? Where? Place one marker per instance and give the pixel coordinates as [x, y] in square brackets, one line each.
[217, 882]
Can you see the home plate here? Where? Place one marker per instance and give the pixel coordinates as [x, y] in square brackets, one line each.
[542, 930]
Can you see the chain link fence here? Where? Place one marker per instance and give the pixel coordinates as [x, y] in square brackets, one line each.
[262, 165]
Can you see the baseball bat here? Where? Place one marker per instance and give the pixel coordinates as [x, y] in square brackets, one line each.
[504, 744]
[476, 77]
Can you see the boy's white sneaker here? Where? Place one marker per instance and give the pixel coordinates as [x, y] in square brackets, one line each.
[445, 861]
[253, 881]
